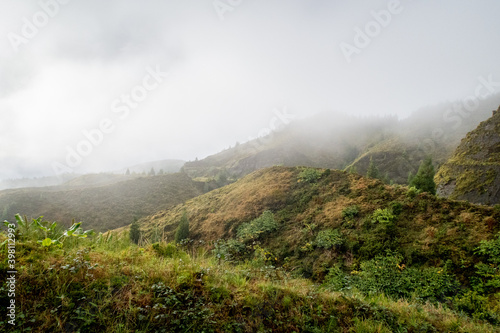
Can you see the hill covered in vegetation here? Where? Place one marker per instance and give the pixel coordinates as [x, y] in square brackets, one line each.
[473, 172]
[334, 226]
[103, 203]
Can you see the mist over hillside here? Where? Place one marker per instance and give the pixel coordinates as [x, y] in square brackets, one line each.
[340, 141]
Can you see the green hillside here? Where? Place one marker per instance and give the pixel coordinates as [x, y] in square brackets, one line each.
[473, 172]
[281, 250]
[332, 226]
[102, 203]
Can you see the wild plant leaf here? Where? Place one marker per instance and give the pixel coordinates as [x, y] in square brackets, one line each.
[39, 225]
[47, 242]
[20, 221]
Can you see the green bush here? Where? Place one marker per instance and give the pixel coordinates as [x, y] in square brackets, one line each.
[389, 275]
[329, 238]
[169, 250]
[309, 175]
[385, 218]
[261, 225]
[412, 192]
[350, 212]
[489, 274]
[228, 250]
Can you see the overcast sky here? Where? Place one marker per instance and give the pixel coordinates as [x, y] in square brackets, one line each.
[187, 78]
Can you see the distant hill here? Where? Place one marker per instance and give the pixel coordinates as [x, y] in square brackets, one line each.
[339, 141]
[473, 172]
[36, 182]
[101, 205]
[305, 201]
[163, 166]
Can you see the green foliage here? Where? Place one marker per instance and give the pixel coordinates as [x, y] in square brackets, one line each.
[384, 216]
[169, 250]
[182, 231]
[228, 250]
[261, 225]
[329, 238]
[115, 288]
[372, 171]
[135, 232]
[489, 273]
[387, 274]
[45, 233]
[178, 310]
[412, 192]
[309, 175]
[350, 212]
[424, 179]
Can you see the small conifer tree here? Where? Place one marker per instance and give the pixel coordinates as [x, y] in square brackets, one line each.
[372, 170]
[424, 179]
[183, 229]
[135, 232]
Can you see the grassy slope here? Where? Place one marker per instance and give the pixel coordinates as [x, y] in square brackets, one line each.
[102, 207]
[428, 230]
[113, 286]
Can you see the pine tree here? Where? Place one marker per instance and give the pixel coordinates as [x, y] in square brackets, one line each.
[183, 229]
[127, 173]
[410, 177]
[135, 232]
[424, 179]
[372, 170]
[152, 172]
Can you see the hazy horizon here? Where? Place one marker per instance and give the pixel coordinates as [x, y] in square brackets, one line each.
[119, 83]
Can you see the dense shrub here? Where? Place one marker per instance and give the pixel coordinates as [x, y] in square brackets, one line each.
[309, 175]
[489, 273]
[329, 238]
[383, 216]
[228, 250]
[261, 225]
[169, 250]
[387, 274]
[350, 212]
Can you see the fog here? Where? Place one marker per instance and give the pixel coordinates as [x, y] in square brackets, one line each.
[89, 86]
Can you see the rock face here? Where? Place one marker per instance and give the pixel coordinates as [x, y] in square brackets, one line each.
[473, 172]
